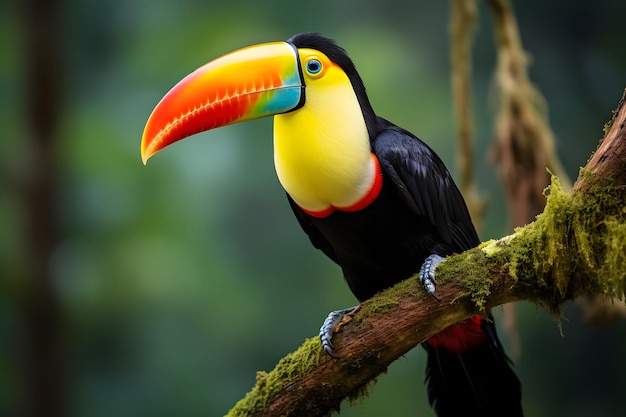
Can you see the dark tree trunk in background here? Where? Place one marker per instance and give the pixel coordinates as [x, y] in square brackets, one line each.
[39, 337]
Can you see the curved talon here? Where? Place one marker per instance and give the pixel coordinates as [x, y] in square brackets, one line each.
[328, 328]
[427, 274]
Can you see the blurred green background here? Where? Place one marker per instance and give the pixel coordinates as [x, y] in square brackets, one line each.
[177, 281]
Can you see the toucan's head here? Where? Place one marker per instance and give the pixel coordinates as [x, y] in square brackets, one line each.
[250, 83]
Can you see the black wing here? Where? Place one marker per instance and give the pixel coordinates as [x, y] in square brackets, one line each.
[316, 237]
[424, 183]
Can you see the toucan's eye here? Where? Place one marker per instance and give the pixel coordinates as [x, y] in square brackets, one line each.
[313, 67]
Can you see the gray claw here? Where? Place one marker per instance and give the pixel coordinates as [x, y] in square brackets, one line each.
[328, 328]
[427, 274]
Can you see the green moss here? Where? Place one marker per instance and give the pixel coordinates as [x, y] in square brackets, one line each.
[475, 275]
[382, 303]
[578, 235]
[499, 252]
[269, 385]
[552, 256]
[490, 247]
[478, 285]
[600, 236]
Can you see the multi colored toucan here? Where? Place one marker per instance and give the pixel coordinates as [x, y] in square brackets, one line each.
[369, 194]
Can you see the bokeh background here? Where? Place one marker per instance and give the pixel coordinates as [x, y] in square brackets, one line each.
[168, 286]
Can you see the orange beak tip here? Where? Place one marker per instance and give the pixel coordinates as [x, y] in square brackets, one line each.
[144, 154]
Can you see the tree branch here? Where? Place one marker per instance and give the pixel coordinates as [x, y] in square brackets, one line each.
[577, 246]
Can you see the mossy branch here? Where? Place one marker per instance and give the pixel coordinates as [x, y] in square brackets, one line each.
[576, 247]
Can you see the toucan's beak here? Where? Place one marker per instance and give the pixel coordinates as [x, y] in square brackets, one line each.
[250, 83]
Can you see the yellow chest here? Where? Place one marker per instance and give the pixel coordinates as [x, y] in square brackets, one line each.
[322, 152]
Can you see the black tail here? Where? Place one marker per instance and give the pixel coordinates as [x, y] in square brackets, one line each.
[476, 382]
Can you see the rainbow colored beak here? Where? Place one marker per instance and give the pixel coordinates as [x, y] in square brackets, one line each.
[250, 83]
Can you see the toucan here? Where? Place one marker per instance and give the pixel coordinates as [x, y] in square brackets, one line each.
[370, 195]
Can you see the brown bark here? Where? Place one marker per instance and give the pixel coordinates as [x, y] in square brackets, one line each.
[609, 160]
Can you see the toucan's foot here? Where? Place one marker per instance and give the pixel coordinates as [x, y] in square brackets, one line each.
[427, 274]
[330, 324]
